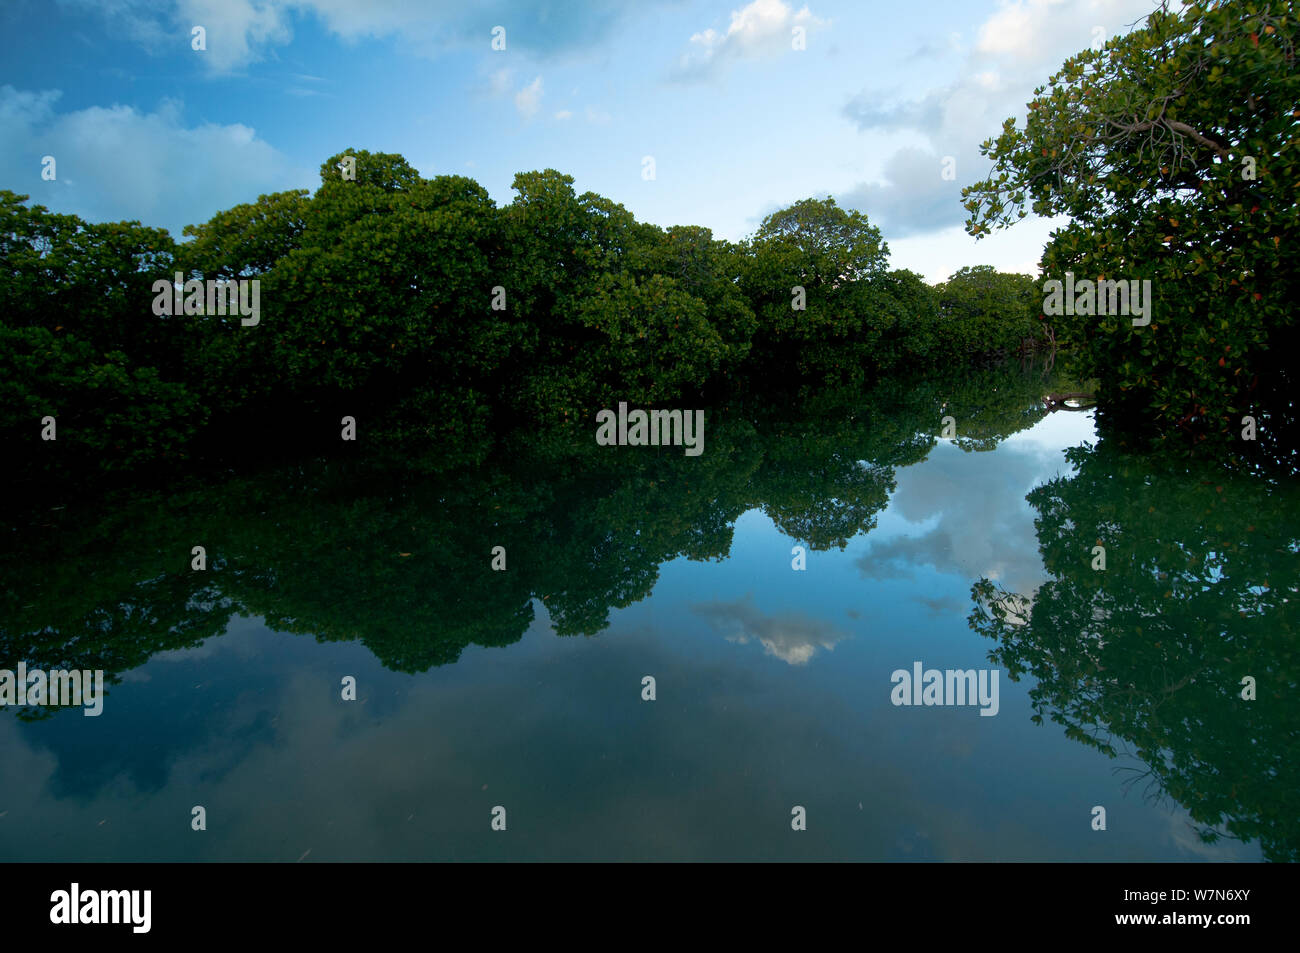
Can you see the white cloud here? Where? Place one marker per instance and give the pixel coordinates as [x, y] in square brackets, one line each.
[1009, 30]
[935, 255]
[563, 114]
[499, 82]
[914, 198]
[116, 164]
[762, 29]
[1018, 47]
[242, 32]
[1028, 29]
[136, 20]
[236, 29]
[529, 99]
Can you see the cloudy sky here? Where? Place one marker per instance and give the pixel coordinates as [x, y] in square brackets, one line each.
[738, 121]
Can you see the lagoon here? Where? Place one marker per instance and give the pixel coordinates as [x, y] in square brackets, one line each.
[479, 689]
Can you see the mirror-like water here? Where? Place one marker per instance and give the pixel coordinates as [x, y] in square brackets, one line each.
[771, 587]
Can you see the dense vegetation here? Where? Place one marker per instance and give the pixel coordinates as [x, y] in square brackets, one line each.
[439, 321]
[1173, 153]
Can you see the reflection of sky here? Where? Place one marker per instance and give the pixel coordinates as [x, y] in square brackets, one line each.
[772, 690]
[791, 637]
[965, 514]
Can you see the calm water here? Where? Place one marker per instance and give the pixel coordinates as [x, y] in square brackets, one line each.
[523, 688]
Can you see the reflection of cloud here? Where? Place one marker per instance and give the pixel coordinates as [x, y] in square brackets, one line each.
[1183, 834]
[791, 636]
[239, 627]
[979, 523]
[411, 770]
[940, 606]
[411, 773]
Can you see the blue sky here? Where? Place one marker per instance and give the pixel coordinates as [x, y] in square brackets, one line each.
[739, 122]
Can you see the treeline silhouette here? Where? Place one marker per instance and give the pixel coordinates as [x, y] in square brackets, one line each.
[439, 321]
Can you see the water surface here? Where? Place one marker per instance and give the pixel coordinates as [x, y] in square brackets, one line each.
[523, 688]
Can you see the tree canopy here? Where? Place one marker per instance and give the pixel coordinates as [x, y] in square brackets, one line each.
[1172, 152]
[438, 321]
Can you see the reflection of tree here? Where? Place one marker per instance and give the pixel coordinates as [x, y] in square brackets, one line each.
[106, 599]
[1200, 590]
[990, 406]
[829, 469]
[402, 563]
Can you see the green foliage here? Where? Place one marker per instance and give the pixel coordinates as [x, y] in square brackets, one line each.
[710, 270]
[832, 255]
[441, 322]
[655, 340]
[915, 337]
[1149, 146]
[79, 342]
[983, 310]
[829, 245]
[247, 240]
